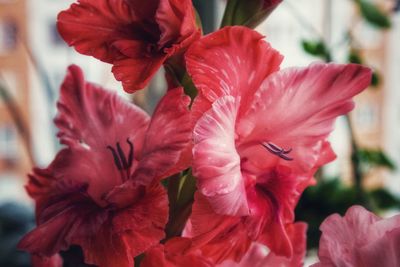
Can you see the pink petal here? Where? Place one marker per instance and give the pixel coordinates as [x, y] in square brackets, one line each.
[168, 139]
[216, 162]
[384, 251]
[298, 108]
[231, 61]
[359, 239]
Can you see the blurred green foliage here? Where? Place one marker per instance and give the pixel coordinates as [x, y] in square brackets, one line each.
[375, 158]
[332, 196]
[372, 14]
[317, 48]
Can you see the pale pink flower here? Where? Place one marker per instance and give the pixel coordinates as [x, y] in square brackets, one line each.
[359, 239]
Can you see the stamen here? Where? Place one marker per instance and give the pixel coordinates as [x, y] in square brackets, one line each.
[116, 158]
[278, 151]
[120, 159]
[131, 150]
[122, 156]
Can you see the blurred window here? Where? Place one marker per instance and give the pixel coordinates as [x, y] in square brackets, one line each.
[9, 79]
[8, 36]
[54, 36]
[8, 143]
[366, 117]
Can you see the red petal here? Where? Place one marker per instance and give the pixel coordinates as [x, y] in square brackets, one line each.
[54, 261]
[219, 237]
[85, 110]
[135, 73]
[92, 26]
[165, 149]
[90, 120]
[142, 224]
[106, 248]
[176, 19]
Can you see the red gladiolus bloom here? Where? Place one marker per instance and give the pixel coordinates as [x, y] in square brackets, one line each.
[102, 192]
[261, 133]
[136, 36]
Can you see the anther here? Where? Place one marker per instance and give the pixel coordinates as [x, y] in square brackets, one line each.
[116, 158]
[278, 151]
[130, 155]
[119, 156]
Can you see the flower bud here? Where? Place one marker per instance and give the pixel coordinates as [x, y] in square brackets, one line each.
[249, 13]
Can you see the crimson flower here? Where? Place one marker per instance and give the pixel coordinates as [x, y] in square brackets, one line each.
[136, 37]
[260, 133]
[360, 238]
[102, 191]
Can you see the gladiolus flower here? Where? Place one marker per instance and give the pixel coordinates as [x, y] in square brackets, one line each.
[102, 191]
[360, 238]
[261, 133]
[136, 36]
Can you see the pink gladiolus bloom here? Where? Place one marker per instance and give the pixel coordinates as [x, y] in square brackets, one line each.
[136, 36]
[102, 191]
[261, 133]
[259, 256]
[359, 239]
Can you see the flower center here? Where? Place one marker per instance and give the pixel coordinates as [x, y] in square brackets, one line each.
[278, 151]
[122, 162]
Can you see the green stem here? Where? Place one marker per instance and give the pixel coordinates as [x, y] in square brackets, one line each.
[181, 196]
[361, 194]
[229, 14]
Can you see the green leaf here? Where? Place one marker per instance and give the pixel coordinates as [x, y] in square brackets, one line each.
[317, 48]
[384, 199]
[376, 79]
[374, 158]
[373, 14]
[354, 57]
